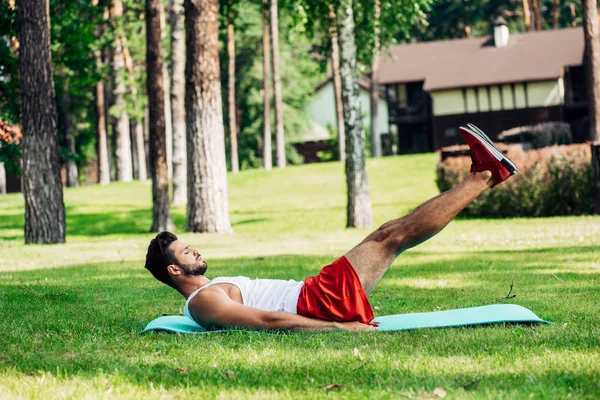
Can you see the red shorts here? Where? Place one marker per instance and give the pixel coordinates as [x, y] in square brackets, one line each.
[336, 294]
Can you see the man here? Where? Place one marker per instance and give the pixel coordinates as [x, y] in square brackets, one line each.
[337, 297]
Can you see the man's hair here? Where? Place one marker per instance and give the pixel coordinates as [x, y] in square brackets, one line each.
[159, 257]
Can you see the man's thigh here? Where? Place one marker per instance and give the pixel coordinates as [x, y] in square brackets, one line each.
[371, 259]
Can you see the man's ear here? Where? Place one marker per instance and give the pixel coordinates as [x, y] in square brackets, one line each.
[173, 269]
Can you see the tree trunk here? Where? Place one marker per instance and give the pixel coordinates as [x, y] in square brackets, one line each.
[208, 207]
[375, 137]
[573, 15]
[108, 103]
[555, 13]
[101, 134]
[279, 133]
[42, 187]
[592, 72]
[66, 129]
[527, 15]
[147, 140]
[359, 204]
[2, 179]
[161, 214]
[139, 152]
[267, 155]
[121, 121]
[592, 67]
[72, 173]
[235, 163]
[539, 23]
[596, 175]
[337, 85]
[177, 22]
[167, 91]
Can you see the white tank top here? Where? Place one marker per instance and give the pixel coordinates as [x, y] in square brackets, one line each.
[264, 294]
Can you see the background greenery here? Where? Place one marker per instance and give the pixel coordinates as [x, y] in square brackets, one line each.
[69, 314]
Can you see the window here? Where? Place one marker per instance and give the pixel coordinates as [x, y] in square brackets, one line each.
[450, 132]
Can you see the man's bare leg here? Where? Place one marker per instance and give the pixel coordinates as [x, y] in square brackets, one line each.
[373, 256]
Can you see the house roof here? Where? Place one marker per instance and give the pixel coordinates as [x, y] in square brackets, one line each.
[448, 64]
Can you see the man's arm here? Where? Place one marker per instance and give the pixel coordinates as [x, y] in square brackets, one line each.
[215, 309]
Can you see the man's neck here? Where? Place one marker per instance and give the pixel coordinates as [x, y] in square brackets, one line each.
[192, 284]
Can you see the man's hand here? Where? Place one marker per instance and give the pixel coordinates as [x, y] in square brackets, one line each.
[359, 326]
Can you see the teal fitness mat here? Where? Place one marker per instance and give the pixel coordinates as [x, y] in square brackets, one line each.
[497, 313]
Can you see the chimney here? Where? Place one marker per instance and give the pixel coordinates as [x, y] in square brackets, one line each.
[500, 33]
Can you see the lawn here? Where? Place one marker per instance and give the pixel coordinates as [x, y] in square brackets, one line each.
[70, 314]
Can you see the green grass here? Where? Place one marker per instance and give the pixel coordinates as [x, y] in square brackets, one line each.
[69, 314]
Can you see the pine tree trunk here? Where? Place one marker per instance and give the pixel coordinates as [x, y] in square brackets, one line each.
[596, 175]
[167, 92]
[592, 67]
[208, 205]
[267, 152]
[359, 211]
[139, 152]
[42, 187]
[279, 133]
[555, 13]
[337, 85]
[101, 134]
[2, 179]
[539, 23]
[72, 173]
[161, 214]
[134, 154]
[177, 22]
[592, 71]
[375, 137]
[527, 15]
[235, 163]
[66, 133]
[121, 122]
[147, 140]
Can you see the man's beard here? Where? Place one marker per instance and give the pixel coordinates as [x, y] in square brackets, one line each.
[196, 269]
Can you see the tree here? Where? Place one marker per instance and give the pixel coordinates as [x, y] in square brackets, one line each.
[337, 85]
[42, 187]
[208, 205]
[375, 137]
[527, 16]
[167, 97]
[267, 156]
[177, 22]
[592, 68]
[359, 213]
[233, 129]
[275, 56]
[537, 12]
[136, 127]
[555, 14]
[119, 110]
[161, 215]
[101, 133]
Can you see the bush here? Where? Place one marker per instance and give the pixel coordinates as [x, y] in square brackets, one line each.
[552, 181]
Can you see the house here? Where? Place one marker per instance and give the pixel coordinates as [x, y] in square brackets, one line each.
[497, 83]
[321, 110]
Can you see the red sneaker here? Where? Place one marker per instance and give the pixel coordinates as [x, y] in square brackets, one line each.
[486, 156]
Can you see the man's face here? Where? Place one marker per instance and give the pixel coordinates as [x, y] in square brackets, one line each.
[190, 260]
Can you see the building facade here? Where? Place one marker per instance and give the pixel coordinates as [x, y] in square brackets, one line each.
[497, 83]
